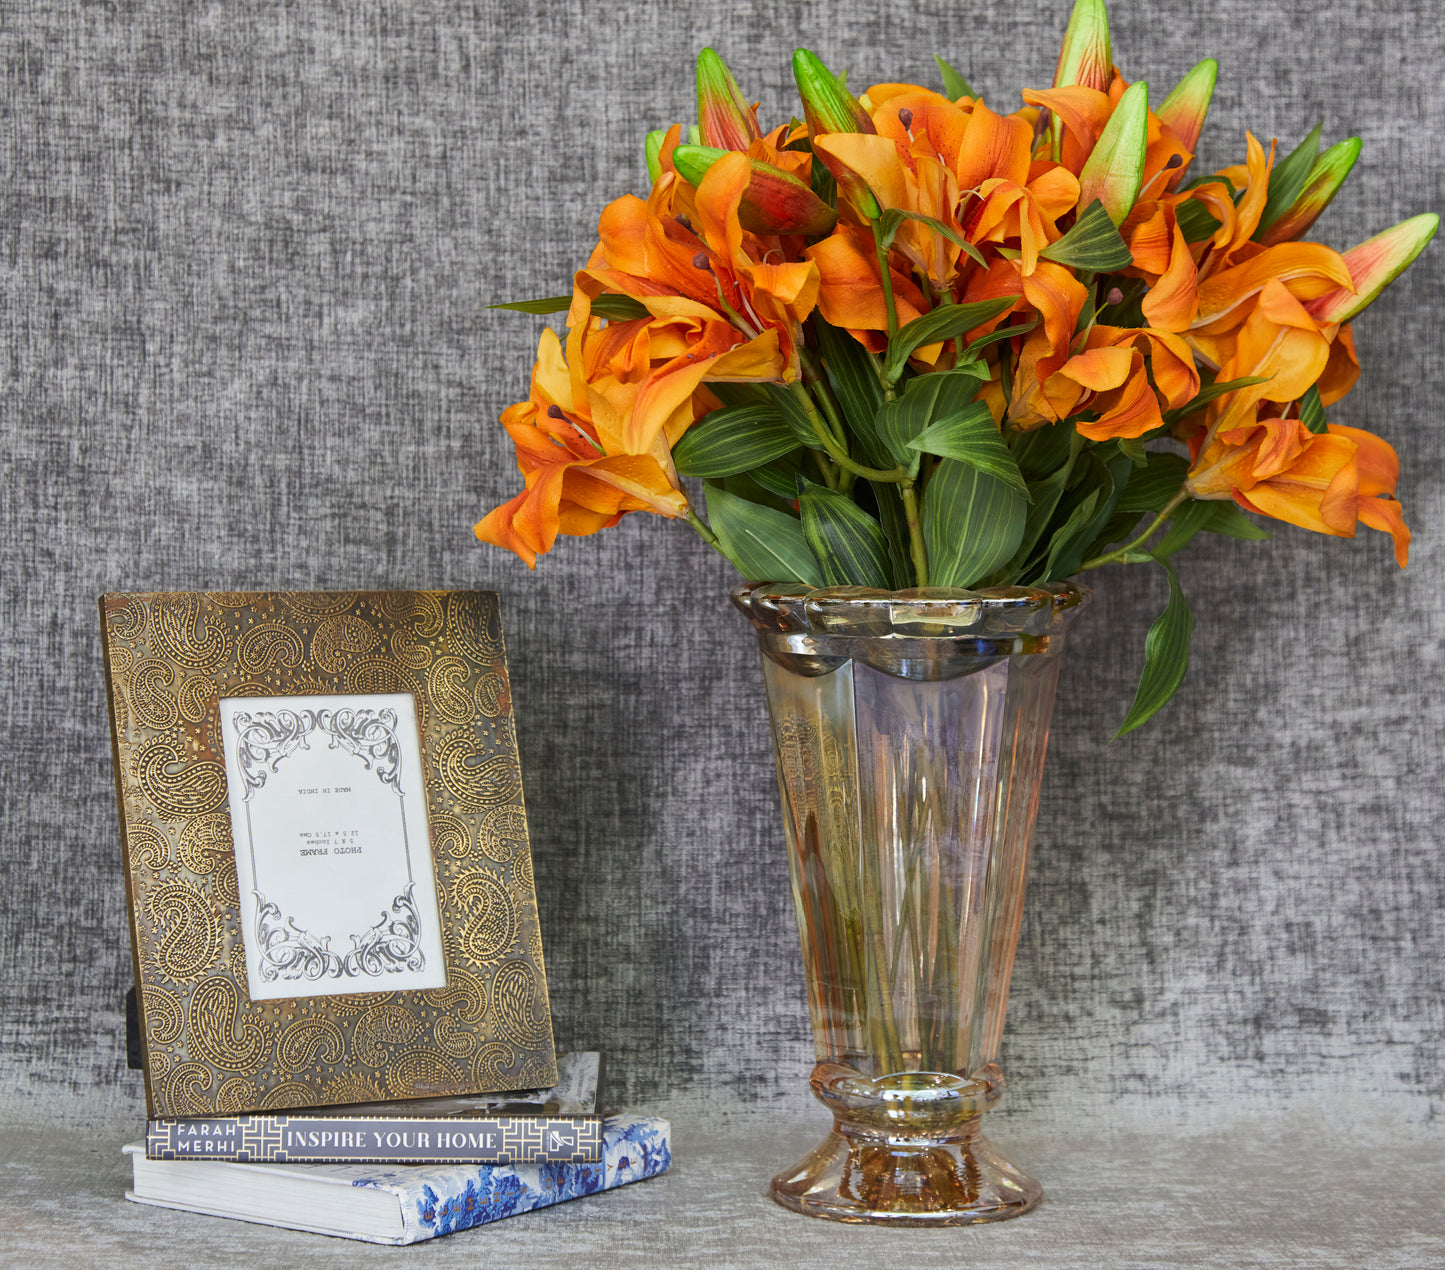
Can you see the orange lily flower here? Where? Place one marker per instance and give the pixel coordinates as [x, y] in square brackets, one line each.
[685, 257]
[578, 480]
[1328, 482]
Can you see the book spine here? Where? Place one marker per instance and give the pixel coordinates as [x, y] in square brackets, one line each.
[443, 1201]
[308, 1139]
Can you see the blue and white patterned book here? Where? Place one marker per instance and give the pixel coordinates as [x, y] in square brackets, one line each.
[402, 1204]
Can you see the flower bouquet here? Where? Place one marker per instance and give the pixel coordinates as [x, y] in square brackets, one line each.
[926, 362]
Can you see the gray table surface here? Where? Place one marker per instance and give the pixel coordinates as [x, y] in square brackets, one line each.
[1351, 1186]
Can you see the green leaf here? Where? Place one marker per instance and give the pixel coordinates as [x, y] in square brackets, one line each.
[1151, 489]
[780, 477]
[926, 400]
[1288, 179]
[1117, 528]
[1108, 471]
[846, 541]
[849, 367]
[1042, 451]
[765, 545]
[1166, 656]
[995, 336]
[1312, 410]
[1188, 519]
[972, 437]
[1045, 495]
[1230, 521]
[618, 308]
[1073, 530]
[786, 405]
[1196, 221]
[892, 221]
[1094, 243]
[1212, 392]
[552, 304]
[954, 84]
[943, 323]
[743, 485]
[972, 523]
[734, 439]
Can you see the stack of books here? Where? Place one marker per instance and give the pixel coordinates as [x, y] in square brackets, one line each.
[398, 1173]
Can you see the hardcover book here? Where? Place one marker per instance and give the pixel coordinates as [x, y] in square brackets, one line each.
[337, 1139]
[326, 855]
[400, 1205]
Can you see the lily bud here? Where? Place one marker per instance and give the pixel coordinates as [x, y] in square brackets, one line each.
[1324, 181]
[1086, 56]
[655, 138]
[725, 119]
[1114, 172]
[1184, 109]
[1373, 265]
[775, 202]
[829, 107]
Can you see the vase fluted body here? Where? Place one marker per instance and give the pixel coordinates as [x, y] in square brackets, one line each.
[909, 730]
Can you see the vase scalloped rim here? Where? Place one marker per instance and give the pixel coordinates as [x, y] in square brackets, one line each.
[927, 612]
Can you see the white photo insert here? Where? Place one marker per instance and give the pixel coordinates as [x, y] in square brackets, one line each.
[333, 855]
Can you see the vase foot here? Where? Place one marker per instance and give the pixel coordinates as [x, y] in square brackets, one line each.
[899, 1183]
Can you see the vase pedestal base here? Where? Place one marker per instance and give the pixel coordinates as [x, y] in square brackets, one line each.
[894, 1183]
[906, 1150]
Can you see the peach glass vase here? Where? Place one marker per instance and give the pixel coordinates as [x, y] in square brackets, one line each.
[909, 729]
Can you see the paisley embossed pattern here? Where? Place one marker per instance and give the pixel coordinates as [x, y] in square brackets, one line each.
[270, 645]
[476, 781]
[162, 1013]
[491, 920]
[184, 1089]
[205, 842]
[218, 1032]
[420, 1073]
[383, 1025]
[450, 836]
[446, 683]
[503, 833]
[339, 636]
[519, 1006]
[308, 1042]
[236, 1095]
[185, 636]
[170, 659]
[150, 845]
[150, 699]
[190, 790]
[187, 931]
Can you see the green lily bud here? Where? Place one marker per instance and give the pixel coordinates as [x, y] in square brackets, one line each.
[1373, 265]
[653, 147]
[1114, 172]
[775, 202]
[1086, 56]
[1323, 183]
[829, 107]
[725, 118]
[1184, 109]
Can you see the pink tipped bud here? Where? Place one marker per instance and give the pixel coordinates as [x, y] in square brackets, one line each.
[725, 119]
[1086, 57]
[1184, 109]
[829, 107]
[1114, 172]
[775, 202]
[1373, 265]
[1324, 181]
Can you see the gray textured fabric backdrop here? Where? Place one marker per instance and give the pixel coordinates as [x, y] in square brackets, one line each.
[245, 253]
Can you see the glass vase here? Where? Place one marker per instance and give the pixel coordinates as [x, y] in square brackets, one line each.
[909, 729]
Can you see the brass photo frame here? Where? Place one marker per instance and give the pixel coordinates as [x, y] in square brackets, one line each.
[171, 660]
